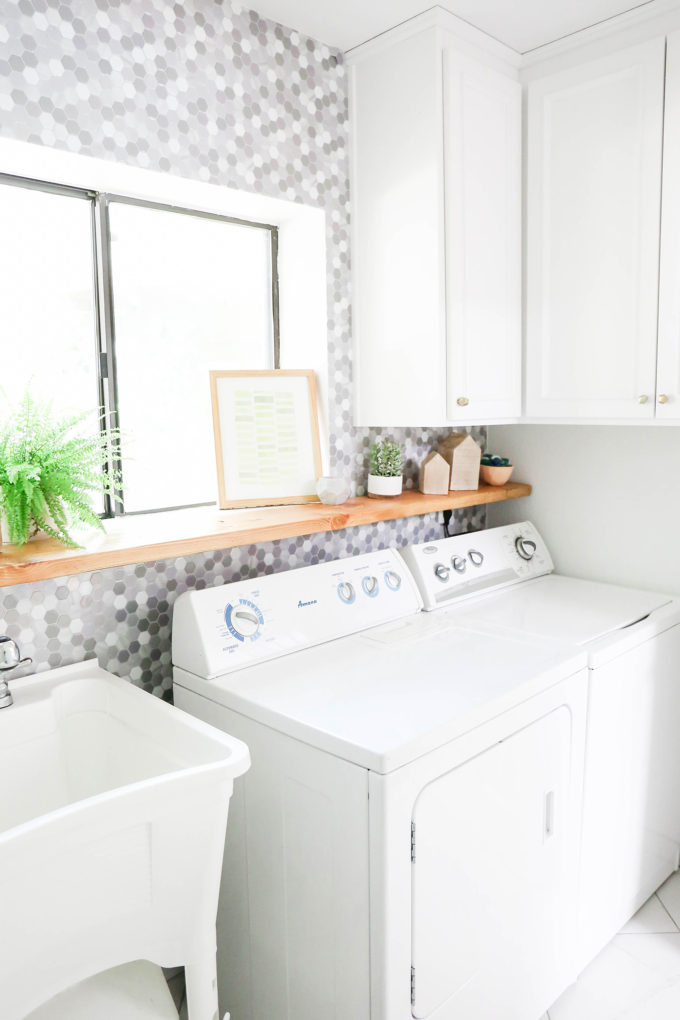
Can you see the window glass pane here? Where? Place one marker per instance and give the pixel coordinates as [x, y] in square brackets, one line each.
[47, 311]
[190, 294]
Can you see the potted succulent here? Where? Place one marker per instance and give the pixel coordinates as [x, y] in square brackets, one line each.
[385, 477]
[50, 467]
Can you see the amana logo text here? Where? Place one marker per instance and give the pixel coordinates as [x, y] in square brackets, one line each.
[302, 604]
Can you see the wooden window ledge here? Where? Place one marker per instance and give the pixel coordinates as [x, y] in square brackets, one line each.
[163, 536]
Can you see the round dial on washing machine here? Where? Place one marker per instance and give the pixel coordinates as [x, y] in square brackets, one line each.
[370, 586]
[392, 580]
[243, 620]
[346, 592]
[459, 564]
[442, 572]
[525, 547]
[476, 557]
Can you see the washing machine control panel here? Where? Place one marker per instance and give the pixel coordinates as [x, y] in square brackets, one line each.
[461, 566]
[218, 630]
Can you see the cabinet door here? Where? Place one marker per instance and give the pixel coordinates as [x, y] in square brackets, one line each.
[398, 234]
[668, 373]
[494, 879]
[483, 201]
[593, 198]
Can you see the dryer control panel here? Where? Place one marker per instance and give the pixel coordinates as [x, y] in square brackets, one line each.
[459, 567]
[222, 629]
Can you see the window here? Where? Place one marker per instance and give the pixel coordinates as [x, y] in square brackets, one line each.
[47, 296]
[109, 302]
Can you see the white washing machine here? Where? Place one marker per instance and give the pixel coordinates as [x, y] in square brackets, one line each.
[405, 843]
[631, 811]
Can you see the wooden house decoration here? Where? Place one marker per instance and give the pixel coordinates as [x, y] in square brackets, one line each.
[463, 456]
[434, 474]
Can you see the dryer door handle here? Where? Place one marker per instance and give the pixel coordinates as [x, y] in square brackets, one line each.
[549, 815]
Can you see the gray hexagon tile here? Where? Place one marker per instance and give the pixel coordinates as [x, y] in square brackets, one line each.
[207, 89]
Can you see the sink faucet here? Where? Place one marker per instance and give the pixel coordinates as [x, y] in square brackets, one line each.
[10, 658]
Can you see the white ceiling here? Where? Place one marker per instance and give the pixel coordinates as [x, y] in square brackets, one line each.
[521, 24]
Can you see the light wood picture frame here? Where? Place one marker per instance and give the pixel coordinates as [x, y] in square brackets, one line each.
[266, 431]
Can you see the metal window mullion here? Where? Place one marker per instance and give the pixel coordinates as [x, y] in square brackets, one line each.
[185, 210]
[276, 323]
[33, 184]
[107, 358]
[100, 381]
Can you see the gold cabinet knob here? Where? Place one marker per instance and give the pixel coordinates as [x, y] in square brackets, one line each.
[462, 401]
[663, 399]
[643, 398]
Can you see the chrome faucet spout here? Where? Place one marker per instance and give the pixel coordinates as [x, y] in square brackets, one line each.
[10, 658]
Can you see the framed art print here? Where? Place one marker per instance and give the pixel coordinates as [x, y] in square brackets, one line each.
[266, 437]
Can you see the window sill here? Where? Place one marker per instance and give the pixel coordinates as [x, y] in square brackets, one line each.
[165, 536]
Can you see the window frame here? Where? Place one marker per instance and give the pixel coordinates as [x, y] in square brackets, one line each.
[104, 304]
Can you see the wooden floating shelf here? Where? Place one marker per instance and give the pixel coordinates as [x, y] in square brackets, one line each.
[166, 536]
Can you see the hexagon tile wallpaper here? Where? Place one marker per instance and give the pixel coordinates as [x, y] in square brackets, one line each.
[210, 90]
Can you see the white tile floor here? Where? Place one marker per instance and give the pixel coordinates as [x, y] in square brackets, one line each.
[637, 976]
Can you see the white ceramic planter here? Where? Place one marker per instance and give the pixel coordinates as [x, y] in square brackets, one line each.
[4, 532]
[385, 485]
[332, 490]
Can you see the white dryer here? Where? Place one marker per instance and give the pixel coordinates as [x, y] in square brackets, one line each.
[405, 843]
[631, 811]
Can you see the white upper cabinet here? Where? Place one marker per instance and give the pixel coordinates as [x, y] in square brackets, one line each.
[436, 208]
[668, 373]
[595, 137]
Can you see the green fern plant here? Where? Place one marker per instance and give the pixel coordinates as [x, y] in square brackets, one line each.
[386, 458]
[49, 470]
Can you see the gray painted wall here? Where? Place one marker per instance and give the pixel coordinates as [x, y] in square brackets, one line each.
[606, 498]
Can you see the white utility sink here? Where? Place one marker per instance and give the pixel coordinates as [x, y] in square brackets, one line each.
[112, 823]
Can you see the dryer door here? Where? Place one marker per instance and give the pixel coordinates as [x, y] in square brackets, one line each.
[494, 879]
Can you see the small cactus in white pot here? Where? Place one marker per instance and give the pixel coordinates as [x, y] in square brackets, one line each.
[385, 476]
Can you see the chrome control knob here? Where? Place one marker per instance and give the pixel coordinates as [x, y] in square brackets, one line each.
[442, 572]
[525, 548]
[245, 623]
[476, 557]
[370, 585]
[459, 564]
[346, 591]
[392, 580]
